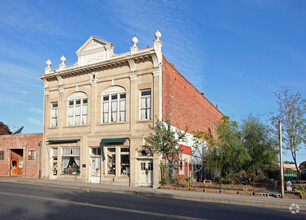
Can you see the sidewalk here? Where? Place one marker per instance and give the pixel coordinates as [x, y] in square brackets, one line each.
[175, 194]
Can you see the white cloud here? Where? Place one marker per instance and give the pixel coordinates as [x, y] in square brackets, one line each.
[180, 35]
[36, 110]
[33, 121]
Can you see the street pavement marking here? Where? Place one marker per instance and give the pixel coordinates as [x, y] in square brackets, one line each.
[103, 206]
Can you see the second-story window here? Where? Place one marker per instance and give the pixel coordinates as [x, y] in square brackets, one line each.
[77, 109]
[114, 105]
[54, 112]
[145, 104]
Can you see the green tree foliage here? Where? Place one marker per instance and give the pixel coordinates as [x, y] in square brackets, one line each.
[261, 145]
[291, 112]
[165, 140]
[4, 129]
[200, 136]
[203, 142]
[231, 155]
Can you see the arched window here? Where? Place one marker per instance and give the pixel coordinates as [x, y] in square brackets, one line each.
[77, 109]
[113, 105]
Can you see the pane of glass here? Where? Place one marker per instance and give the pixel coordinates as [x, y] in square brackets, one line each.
[84, 119]
[149, 102]
[122, 105]
[54, 105]
[143, 103]
[105, 107]
[148, 114]
[143, 114]
[146, 92]
[111, 149]
[77, 102]
[105, 117]
[70, 111]
[77, 110]
[54, 122]
[105, 98]
[84, 101]
[70, 120]
[125, 165]
[125, 149]
[114, 97]
[84, 110]
[77, 119]
[122, 116]
[70, 102]
[114, 106]
[114, 116]
[150, 166]
[143, 166]
[122, 96]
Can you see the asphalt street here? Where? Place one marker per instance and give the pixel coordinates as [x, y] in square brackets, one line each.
[22, 201]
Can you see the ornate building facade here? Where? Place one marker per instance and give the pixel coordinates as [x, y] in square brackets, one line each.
[98, 111]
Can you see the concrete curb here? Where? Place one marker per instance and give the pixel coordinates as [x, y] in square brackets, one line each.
[182, 195]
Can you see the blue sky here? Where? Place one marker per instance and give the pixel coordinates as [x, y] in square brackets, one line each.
[237, 52]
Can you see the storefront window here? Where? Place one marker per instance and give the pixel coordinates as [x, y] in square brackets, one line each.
[71, 160]
[125, 161]
[54, 157]
[111, 161]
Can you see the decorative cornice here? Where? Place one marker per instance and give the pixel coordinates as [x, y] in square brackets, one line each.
[116, 61]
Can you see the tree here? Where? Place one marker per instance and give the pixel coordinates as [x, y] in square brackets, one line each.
[203, 141]
[261, 146]
[165, 140]
[230, 156]
[4, 129]
[291, 112]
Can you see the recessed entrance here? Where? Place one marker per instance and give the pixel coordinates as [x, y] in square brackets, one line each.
[16, 162]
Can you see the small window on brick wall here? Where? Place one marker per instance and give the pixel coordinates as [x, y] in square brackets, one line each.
[1, 155]
[32, 155]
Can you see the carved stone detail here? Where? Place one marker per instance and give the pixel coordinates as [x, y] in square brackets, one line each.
[132, 65]
[59, 79]
[93, 79]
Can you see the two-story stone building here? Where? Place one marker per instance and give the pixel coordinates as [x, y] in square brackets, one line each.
[98, 111]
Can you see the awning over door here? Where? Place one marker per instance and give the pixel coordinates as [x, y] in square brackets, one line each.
[62, 141]
[108, 141]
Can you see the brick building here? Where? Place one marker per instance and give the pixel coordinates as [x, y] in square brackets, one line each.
[97, 113]
[20, 155]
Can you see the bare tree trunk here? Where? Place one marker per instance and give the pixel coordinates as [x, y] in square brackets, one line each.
[295, 163]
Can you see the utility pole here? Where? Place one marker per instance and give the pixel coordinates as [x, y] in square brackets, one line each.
[281, 158]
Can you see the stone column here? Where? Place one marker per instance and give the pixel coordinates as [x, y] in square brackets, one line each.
[60, 115]
[134, 143]
[133, 103]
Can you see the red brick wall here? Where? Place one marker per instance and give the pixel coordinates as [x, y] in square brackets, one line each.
[25, 142]
[184, 105]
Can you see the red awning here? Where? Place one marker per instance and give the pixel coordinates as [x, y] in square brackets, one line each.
[185, 149]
